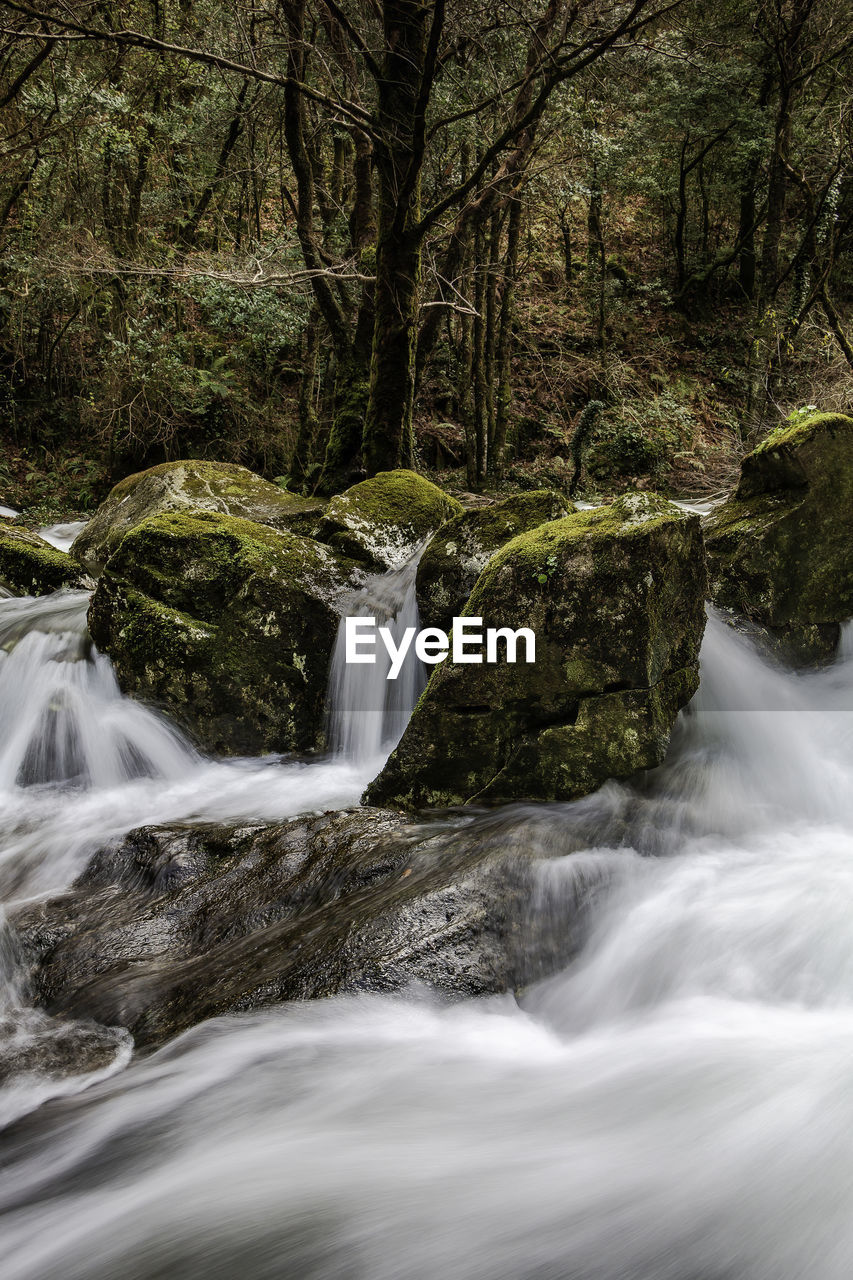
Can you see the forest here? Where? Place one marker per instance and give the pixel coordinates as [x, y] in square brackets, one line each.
[585, 244]
[426, 640]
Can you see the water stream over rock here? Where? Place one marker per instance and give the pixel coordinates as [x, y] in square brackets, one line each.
[676, 1103]
[367, 711]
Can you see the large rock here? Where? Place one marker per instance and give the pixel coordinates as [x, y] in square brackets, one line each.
[190, 485]
[780, 550]
[458, 553]
[227, 624]
[615, 597]
[31, 566]
[177, 925]
[383, 520]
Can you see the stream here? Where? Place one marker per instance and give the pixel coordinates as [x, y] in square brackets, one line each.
[676, 1104]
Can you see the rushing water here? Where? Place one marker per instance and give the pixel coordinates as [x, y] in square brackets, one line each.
[367, 711]
[61, 536]
[676, 1105]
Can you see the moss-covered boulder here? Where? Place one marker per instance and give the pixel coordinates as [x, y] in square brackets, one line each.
[30, 566]
[190, 485]
[615, 597]
[227, 624]
[780, 550]
[458, 553]
[381, 521]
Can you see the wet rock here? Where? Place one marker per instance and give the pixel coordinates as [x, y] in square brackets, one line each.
[32, 1044]
[173, 926]
[190, 485]
[381, 521]
[615, 597]
[780, 550]
[30, 566]
[458, 553]
[226, 624]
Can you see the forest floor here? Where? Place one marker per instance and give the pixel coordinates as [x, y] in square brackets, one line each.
[674, 387]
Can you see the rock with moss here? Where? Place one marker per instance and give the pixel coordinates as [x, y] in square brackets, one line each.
[226, 624]
[30, 566]
[615, 598]
[190, 485]
[780, 550]
[381, 521]
[456, 556]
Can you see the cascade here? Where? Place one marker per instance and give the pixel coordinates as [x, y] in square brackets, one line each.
[64, 718]
[675, 1102]
[367, 711]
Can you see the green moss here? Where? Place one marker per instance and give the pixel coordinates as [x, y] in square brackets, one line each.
[190, 485]
[228, 624]
[780, 551]
[383, 519]
[30, 565]
[344, 444]
[631, 516]
[616, 600]
[460, 550]
[789, 435]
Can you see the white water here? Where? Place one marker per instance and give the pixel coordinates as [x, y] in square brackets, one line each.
[676, 1105]
[61, 536]
[368, 712]
[80, 764]
[64, 719]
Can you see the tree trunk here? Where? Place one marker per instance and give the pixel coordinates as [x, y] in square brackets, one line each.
[776, 193]
[411, 31]
[596, 255]
[566, 232]
[503, 355]
[301, 460]
[747, 220]
[681, 218]
[495, 228]
[343, 463]
[481, 426]
[746, 232]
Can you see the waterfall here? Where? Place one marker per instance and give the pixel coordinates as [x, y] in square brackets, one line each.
[677, 1102]
[368, 712]
[63, 716]
[62, 536]
[81, 764]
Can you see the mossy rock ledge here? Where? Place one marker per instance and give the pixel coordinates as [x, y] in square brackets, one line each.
[32, 567]
[383, 520]
[227, 625]
[190, 485]
[615, 597]
[456, 556]
[780, 550]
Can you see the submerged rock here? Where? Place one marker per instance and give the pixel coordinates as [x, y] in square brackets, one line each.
[780, 550]
[32, 1044]
[173, 926]
[615, 597]
[458, 553]
[383, 520]
[227, 624]
[30, 566]
[190, 485]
